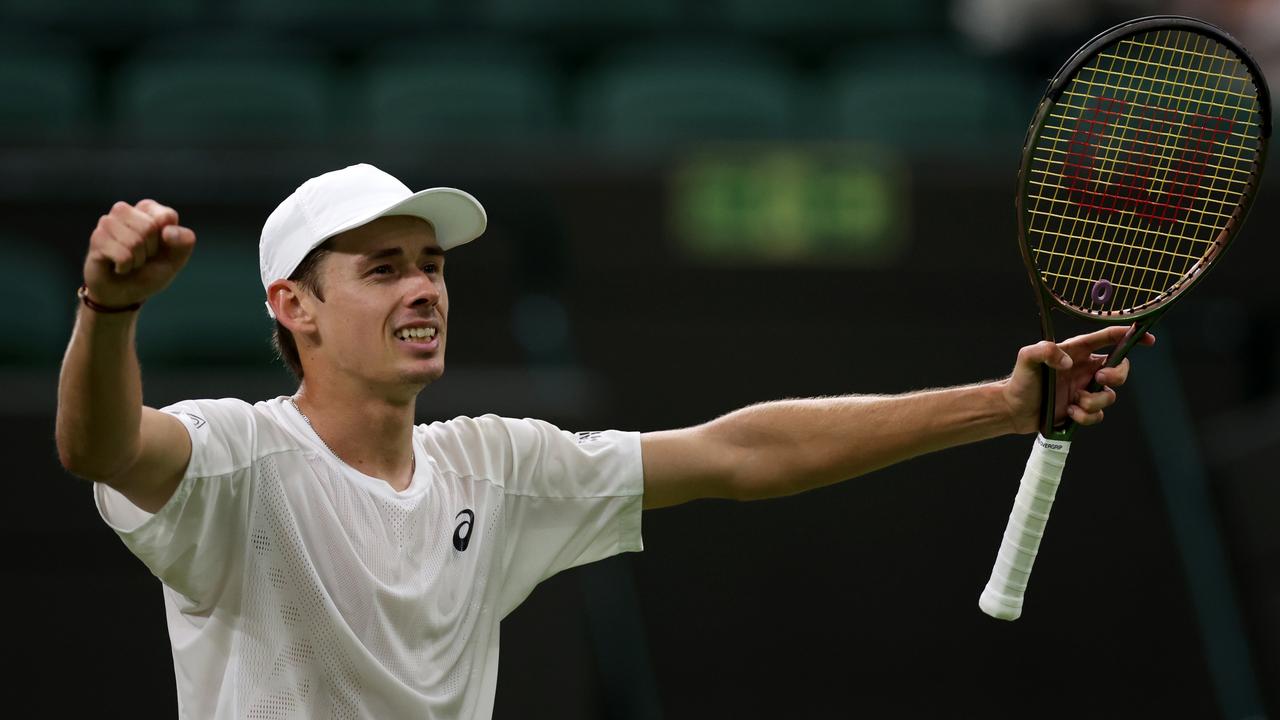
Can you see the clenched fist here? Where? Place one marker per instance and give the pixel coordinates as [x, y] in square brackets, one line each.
[135, 252]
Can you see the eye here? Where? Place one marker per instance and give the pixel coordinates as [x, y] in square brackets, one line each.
[381, 270]
[431, 268]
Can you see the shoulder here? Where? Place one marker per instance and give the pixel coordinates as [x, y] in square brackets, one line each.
[533, 457]
[487, 445]
[229, 433]
[465, 441]
[487, 433]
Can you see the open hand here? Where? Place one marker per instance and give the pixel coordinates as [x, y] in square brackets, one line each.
[1077, 365]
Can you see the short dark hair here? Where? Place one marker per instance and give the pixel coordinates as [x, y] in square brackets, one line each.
[307, 276]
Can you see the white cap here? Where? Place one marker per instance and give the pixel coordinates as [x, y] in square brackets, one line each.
[348, 198]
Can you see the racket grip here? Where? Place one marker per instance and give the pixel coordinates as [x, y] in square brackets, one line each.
[1002, 597]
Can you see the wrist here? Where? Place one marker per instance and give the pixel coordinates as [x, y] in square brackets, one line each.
[1002, 412]
[1006, 415]
[103, 308]
[1017, 419]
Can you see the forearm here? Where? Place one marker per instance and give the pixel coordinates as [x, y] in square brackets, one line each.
[99, 396]
[797, 445]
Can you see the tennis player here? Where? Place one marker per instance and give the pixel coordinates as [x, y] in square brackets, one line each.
[323, 556]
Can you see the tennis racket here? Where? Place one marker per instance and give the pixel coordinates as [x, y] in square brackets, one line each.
[1137, 173]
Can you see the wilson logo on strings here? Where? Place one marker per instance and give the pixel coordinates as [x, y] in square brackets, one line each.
[1120, 150]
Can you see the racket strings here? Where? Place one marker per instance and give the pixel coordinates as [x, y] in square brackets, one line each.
[1139, 168]
[1129, 191]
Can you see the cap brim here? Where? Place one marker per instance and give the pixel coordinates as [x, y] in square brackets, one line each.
[458, 218]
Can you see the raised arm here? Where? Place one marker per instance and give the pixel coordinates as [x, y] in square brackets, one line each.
[789, 446]
[103, 431]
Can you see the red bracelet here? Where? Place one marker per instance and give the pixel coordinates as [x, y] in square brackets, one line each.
[83, 294]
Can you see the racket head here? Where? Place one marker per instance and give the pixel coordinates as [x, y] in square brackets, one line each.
[1139, 167]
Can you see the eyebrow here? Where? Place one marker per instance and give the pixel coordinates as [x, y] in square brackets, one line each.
[397, 252]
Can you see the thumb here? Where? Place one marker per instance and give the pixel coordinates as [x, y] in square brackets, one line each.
[180, 242]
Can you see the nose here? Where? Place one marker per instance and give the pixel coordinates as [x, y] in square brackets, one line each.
[425, 291]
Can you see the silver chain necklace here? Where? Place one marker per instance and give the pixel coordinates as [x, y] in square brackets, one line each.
[413, 468]
[315, 432]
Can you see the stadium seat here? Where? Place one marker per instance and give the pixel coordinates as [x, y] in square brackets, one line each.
[48, 94]
[676, 93]
[213, 313]
[463, 90]
[338, 18]
[929, 98]
[573, 15]
[215, 90]
[39, 282]
[843, 17]
[129, 16]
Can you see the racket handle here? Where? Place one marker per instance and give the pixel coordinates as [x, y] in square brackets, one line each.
[1002, 597]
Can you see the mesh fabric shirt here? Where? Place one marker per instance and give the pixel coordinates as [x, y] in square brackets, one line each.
[297, 587]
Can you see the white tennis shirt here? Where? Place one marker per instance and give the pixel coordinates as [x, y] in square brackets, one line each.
[297, 587]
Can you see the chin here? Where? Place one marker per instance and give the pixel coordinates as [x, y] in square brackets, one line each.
[425, 376]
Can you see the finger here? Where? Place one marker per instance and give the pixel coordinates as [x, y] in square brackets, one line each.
[116, 245]
[139, 249]
[130, 228]
[163, 214]
[1114, 376]
[120, 256]
[1045, 352]
[151, 243]
[1083, 417]
[148, 218]
[132, 218]
[1098, 339]
[1095, 401]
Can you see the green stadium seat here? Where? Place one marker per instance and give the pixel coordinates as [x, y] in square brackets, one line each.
[544, 15]
[224, 90]
[48, 95]
[213, 313]
[107, 14]
[38, 282]
[843, 17]
[687, 92]
[925, 97]
[336, 17]
[458, 91]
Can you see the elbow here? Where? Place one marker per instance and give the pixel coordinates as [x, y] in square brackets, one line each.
[76, 461]
[68, 457]
[80, 467]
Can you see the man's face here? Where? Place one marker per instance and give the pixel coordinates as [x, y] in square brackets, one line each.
[385, 305]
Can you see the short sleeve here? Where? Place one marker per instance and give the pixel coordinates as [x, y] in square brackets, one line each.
[193, 542]
[571, 499]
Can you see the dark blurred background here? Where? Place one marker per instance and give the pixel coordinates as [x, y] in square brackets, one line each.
[693, 206]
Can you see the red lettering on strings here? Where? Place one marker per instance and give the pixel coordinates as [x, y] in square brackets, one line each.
[1148, 136]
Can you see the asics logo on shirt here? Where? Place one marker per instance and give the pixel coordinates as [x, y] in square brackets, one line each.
[462, 536]
[196, 421]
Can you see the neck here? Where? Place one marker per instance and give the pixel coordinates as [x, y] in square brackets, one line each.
[372, 434]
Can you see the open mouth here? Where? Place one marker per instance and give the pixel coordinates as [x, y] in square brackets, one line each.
[424, 335]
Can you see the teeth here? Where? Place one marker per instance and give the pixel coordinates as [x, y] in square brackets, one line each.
[416, 333]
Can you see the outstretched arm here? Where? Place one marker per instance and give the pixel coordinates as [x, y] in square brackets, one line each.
[789, 446]
[103, 431]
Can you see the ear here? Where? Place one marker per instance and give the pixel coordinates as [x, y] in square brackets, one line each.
[292, 306]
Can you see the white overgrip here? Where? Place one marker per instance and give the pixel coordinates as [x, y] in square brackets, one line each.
[1002, 597]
